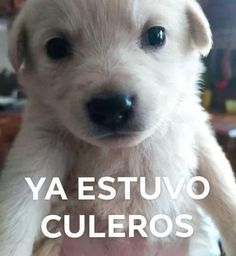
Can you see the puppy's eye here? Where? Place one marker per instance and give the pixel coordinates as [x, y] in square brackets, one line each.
[58, 48]
[155, 36]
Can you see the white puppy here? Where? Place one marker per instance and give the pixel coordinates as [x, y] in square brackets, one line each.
[112, 87]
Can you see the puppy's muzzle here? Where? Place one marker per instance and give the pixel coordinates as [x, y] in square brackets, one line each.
[111, 110]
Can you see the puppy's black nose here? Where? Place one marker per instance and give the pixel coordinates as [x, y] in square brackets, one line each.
[111, 110]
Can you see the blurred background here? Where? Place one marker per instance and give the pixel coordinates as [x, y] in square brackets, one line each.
[218, 86]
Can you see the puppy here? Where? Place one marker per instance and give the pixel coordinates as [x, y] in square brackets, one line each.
[113, 91]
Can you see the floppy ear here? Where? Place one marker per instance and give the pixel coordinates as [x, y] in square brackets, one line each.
[200, 31]
[17, 42]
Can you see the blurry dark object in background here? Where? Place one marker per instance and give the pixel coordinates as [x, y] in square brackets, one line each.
[4, 7]
[9, 7]
[220, 97]
[222, 61]
[232, 82]
[222, 66]
[11, 97]
[8, 83]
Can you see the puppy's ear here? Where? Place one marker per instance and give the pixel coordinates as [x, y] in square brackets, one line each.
[17, 42]
[200, 31]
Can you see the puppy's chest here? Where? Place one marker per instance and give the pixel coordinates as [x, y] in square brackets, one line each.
[149, 162]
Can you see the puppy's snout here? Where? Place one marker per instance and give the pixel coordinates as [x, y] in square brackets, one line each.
[111, 110]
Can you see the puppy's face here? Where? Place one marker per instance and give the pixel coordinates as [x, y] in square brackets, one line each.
[112, 71]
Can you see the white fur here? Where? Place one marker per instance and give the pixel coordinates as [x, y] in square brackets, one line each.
[168, 137]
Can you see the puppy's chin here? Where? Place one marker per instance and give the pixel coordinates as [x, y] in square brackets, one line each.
[119, 140]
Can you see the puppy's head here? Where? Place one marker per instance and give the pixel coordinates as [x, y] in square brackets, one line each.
[111, 70]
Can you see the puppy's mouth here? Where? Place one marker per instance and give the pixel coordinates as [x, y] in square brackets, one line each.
[117, 135]
[119, 139]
